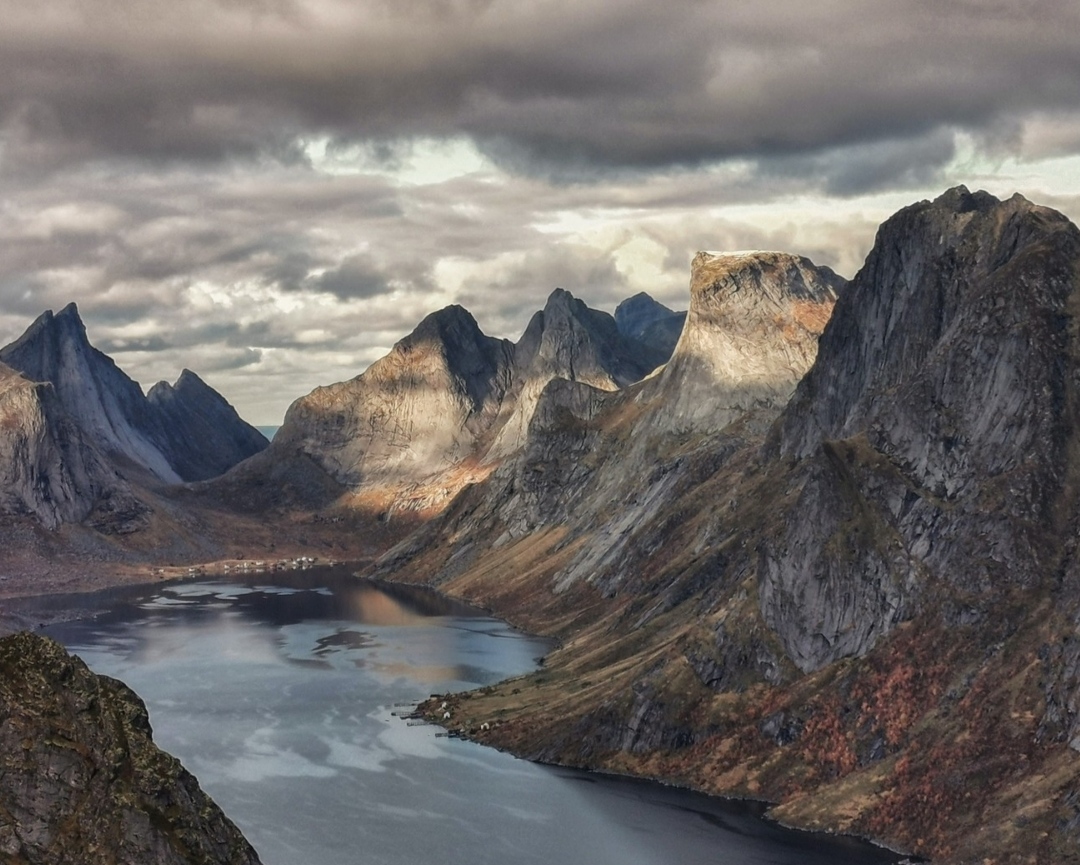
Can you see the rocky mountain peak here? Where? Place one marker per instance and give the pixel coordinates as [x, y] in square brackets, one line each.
[634, 315]
[110, 409]
[568, 339]
[199, 431]
[423, 408]
[105, 403]
[932, 264]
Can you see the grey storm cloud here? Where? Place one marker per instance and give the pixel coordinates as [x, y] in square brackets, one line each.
[226, 184]
[561, 86]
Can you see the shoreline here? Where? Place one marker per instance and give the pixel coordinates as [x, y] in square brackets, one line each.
[180, 575]
[17, 600]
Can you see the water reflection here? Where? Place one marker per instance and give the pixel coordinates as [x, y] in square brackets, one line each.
[282, 697]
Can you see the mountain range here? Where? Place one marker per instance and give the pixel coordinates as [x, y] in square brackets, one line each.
[812, 541]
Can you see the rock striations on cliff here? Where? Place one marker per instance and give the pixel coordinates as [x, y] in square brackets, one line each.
[184, 432]
[81, 781]
[863, 604]
[416, 414]
[750, 335]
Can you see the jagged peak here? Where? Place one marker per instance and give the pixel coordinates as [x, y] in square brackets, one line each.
[66, 321]
[188, 378]
[963, 200]
[562, 301]
[448, 325]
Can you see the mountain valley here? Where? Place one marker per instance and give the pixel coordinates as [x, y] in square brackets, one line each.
[812, 541]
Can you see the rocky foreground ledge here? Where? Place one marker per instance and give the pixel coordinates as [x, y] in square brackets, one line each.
[81, 781]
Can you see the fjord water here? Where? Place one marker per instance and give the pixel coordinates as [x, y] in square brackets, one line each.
[280, 695]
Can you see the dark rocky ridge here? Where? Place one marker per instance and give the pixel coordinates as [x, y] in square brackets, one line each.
[184, 432]
[81, 782]
[951, 366]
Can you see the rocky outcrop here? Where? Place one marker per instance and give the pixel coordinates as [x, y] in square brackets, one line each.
[81, 781]
[202, 435]
[183, 433]
[750, 335]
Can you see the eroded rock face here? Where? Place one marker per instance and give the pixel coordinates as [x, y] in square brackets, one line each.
[81, 782]
[419, 411]
[949, 370]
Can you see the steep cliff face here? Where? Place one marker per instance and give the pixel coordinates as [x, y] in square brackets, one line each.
[937, 431]
[108, 406]
[47, 467]
[202, 435]
[180, 433]
[81, 782]
[751, 333]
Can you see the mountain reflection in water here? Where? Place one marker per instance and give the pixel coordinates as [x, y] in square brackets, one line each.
[281, 696]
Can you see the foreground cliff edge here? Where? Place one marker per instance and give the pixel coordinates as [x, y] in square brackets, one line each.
[81, 782]
[862, 606]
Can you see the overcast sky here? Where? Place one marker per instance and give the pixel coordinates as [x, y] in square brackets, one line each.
[272, 192]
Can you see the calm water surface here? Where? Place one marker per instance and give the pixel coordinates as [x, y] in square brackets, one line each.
[280, 696]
